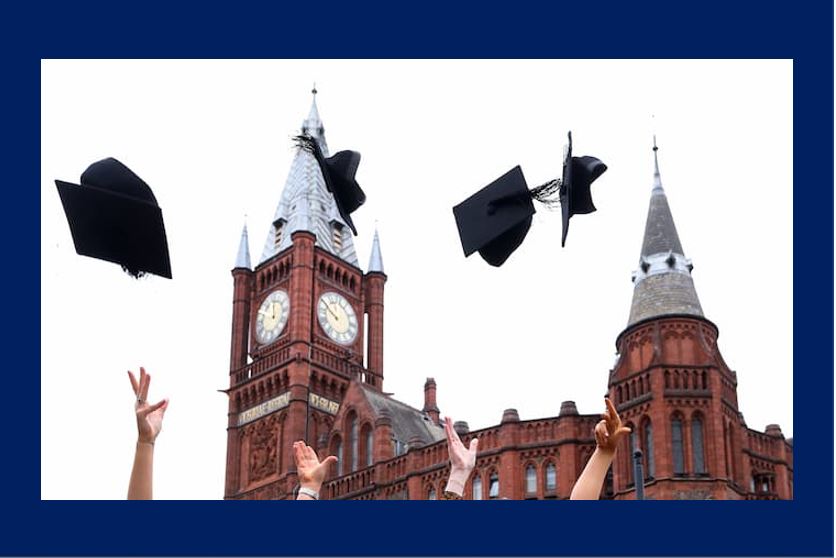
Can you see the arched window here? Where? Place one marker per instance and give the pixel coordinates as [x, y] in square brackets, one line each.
[530, 480]
[353, 441]
[676, 446]
[369, 447]
[338, 451]
[431, 494]
[630, 443]
[697, 444]
[477, 487]
[493, 487]
[551, 477]
[649, 463]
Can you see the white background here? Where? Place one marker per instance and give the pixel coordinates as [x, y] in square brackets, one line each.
[213, 140]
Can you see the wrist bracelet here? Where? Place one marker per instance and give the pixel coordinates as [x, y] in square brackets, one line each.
[449, 495]
[309, 492]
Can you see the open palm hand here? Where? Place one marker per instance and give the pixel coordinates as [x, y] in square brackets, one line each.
[311, 472]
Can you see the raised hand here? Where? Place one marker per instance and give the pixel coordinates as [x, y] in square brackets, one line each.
[149, 418]
[149, 422]
[462, 460]
[609, 429]
[311, 472]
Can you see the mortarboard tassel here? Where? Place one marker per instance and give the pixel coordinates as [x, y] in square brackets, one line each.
[544, 192]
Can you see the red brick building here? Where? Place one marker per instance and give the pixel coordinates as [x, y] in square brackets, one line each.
[305, 315]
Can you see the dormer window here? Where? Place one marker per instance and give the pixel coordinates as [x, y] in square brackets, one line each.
[337, 231]
[278, 226]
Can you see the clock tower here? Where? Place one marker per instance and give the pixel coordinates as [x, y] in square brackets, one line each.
[301, 320]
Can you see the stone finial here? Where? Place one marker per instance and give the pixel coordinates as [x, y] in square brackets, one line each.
[415, 442]
[510, 415]
[568, 408]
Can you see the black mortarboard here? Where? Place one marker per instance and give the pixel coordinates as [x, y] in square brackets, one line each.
[338, 172]
[495, 220]
[114, 216]
[578, 175]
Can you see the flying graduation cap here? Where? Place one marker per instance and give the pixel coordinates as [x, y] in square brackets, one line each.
[114, 216]
[338, 172]
[495, 220]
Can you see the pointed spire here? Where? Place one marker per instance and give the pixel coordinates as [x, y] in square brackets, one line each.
[376, 259]
[660, 232]
[657, 178]
[313, 115]
[312, 125]
[307, 205]
[243, 258]
[663, 283]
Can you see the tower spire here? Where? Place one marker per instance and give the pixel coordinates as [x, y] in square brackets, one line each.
[663, 283]
[312, 125]
[306, 204]
[657, 178]
[376, 258]
[243, 258]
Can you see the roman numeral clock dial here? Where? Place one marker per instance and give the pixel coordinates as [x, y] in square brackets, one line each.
[272, 317]
[337, 318]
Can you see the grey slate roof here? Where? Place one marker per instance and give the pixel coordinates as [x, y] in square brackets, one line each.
[660, 232]
[664, 294]
[408, 423]
[663, 283]
[306, 204]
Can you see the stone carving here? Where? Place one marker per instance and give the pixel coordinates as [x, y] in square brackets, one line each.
[263, 450]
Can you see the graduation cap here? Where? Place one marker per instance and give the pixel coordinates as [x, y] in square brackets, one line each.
[338, 172]
[575, 196]
[114, 216]
[495, 220]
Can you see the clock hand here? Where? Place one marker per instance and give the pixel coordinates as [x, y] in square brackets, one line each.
[331, 312]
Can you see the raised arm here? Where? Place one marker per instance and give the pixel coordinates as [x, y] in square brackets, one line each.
[311, 472]
[149, 422]
[607, 434]
[462, 461]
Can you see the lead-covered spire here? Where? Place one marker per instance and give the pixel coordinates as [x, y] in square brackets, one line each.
[242, 260]
[307, 205]
[376, 258]
[663, 283]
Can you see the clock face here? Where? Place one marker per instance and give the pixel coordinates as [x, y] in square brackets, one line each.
[272, 317]
[337, 318]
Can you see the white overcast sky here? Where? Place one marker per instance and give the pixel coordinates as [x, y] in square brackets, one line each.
[213, 140]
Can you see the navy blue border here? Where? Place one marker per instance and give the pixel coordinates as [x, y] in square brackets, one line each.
[802, 31]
